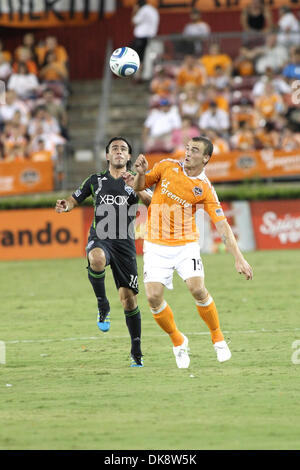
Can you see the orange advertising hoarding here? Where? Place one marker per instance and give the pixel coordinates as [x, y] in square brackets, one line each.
[20, 177]
[240, 165]
[40, 234]
[208, 5]
[44, 234]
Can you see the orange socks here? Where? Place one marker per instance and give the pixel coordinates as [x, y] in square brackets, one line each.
[165, 319]
[209, 314]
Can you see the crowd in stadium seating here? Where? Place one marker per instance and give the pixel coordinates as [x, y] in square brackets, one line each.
[33, 116]
[244, 101]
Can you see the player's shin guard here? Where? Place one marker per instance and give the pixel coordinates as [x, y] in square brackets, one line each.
[97, 279]
[209, 314]
[133, 322]
[165, 319]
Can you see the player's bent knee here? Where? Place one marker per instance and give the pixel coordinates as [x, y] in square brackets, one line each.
[155, 294]
[155, 300]
[199, 293]
[128, 298]
[97, 259]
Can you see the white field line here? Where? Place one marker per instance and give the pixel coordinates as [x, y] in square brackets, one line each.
[109, 335]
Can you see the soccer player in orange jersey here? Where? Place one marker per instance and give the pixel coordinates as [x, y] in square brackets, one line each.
[172, 240]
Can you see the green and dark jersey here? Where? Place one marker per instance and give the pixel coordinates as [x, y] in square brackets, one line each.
[115, 206]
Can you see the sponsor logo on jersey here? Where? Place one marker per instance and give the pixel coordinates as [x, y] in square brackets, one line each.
[219, 212]
[164, 190]
[118, 200]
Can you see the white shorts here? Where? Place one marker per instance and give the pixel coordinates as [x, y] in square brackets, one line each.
[160, 262]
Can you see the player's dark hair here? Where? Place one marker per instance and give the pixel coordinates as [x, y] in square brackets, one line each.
[208, 145]
[119, 138]
[128, 164]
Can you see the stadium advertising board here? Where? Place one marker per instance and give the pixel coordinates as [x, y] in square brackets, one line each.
[40, 234]
[276, 224]
[53, 13]
[241, 165]
[19, 177]
[209, 5]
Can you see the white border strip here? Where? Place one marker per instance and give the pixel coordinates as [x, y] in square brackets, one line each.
[109, 335]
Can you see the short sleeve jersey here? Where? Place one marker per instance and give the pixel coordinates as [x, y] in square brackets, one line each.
[115, 206]
[176, 198]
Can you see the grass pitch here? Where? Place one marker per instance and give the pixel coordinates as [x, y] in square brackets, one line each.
[66, 385]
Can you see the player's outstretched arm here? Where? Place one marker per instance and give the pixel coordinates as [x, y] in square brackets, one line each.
[65, 205]
[141, 166]
[228, 238]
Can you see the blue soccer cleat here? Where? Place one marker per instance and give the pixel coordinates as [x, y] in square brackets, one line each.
[103, 321]
[136, 361]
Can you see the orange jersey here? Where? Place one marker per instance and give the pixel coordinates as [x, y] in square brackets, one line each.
[175, 200]
[194, 76]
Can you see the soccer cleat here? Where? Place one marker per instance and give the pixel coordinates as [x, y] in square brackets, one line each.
[181, 354]
[103, 321]
[222, 350]
[136, 361]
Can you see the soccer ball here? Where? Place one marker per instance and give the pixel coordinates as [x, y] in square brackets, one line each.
[124, 62]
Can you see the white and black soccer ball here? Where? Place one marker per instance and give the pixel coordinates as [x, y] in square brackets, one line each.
[124, 62]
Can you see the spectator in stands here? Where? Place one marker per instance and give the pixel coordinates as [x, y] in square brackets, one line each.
[24, 56]
[28, 42]
[267, 137]
[215, 118]
[7, 55]
[56, 109]
[271, 55]
[13, 104]
[158, 127]
[162, 85]
[212, 94]
[292, 70]
[220, 80]
[288, 28]
[243, 66]
[244, 112]
[243, 138]
[289, 140]
[52, 142]
[214, 58]
[190, 72]
[145, 19]
[43, 119]
[14, 152]
[182, 135]
[25, 84]
[196, 27]
[50, 45]
[189, 104]
[5, 67]
[279, 83]
[13, 138]
[256, 17]
[20, 120]
[220, 144]
[270, 104]
[40, 154]
[53, 70]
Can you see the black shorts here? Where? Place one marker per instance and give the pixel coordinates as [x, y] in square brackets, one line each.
[121, 256]
[139, 45]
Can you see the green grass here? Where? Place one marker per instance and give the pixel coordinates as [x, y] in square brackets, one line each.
[71, 386]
